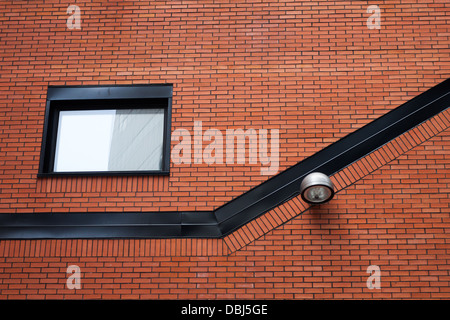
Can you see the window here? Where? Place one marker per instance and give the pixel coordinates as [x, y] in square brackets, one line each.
[107, 130]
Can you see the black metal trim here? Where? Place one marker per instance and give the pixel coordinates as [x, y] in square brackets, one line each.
[108, 225]
[137, 91]
[242, 209]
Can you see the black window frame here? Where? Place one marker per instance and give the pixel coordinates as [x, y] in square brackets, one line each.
[70, 98]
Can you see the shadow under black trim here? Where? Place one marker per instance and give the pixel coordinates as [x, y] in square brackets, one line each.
[242, 209]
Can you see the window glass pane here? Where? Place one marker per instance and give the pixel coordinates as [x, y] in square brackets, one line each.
[109, 140]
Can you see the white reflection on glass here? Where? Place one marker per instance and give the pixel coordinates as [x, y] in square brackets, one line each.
[109, 140]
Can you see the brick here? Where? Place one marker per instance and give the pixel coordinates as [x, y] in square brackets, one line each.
[261, 65]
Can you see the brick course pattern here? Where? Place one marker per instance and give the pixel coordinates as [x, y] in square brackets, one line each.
[313, 70]
[385, 213]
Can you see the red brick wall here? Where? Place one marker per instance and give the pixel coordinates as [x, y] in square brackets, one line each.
[391, 211]
[313, 70]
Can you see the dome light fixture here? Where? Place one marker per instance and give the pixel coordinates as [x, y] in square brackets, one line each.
[316, 188]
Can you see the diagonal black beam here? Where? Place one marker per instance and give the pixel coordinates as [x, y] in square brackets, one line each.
[333, 158]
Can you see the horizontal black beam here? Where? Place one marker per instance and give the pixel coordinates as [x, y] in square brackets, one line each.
[108, 225]
[242, 209]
